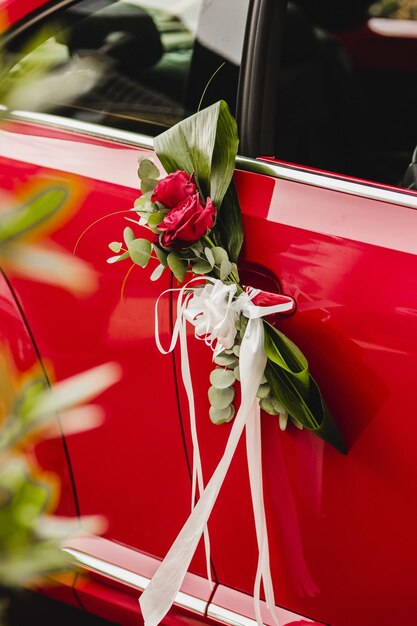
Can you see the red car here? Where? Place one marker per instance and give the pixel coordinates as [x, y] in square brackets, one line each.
[325, 101]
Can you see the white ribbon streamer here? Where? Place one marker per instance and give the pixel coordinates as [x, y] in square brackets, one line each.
[214, 310]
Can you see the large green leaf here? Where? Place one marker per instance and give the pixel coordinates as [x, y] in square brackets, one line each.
[288, 375]
[229, 223]
[34, 212]
[204, 144]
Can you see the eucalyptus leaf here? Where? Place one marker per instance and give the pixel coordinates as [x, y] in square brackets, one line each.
[236, 372]
[148, 184]
[222, 378]
[140, 251]
[221, 416]
[147, 169]
[156, 218]
[209, 256]
[158, 271]
[162, 256]
[267, 406]
[177, 266]
[119, 257]
[143, 203]
[225, 269]
[115, 246]
[197, 248]
[283, 421]
[201, 267]
[263, 391]
[128, 235]
[221, 398]
[225, 360]
[220, 255]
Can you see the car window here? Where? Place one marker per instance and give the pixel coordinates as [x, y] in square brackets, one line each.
[347, 96]
[149, 71]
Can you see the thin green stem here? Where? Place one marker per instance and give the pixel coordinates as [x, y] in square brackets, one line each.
[209, 241]
[207, 85]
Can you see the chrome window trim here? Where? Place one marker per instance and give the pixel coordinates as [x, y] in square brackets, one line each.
[83, 128]
[183, 600]
[297, 174]
[132, 579]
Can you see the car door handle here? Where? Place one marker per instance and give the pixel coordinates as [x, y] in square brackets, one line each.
[260, 278]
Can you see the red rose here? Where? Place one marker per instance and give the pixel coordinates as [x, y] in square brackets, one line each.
[187, 223]
[174, 188]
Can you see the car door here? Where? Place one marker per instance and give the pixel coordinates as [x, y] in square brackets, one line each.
[133, 469]
[340, 526]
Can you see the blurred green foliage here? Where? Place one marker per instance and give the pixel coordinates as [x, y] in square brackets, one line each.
[29, 409]
[398, 9]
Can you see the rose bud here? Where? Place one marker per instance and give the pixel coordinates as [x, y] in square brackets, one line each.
[174, 189]
[187, 223]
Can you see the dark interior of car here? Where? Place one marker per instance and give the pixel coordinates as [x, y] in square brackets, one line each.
[331, 113]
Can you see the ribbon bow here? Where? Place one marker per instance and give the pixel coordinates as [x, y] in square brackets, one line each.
[213, 310]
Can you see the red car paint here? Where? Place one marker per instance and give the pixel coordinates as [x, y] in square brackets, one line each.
[342, 528]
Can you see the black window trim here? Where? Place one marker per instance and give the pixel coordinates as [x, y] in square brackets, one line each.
[258, 82]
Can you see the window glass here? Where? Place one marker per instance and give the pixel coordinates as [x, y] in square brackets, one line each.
[135, 64]
[347, 98]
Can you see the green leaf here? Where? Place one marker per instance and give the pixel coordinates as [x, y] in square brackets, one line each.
[221, 398]
[267, 405]
[220, 255]
[222, 378]
[147, 169]
[177, 266]
[144, 204]
[197, 248]
[205, 144]
[294, 388]
[162, 256]
[263, 391]
[34, 212]
[226, 360]
[225, 269]
[229, 223]
[148, 184]
[115, 246]
[119, 257]
[221, 416]
[209, 256]
[128, 235]
[140, 251]
[156, 218]
[157, 273]
[201, 267]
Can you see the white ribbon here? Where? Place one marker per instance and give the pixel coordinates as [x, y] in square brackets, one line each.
[214, 310]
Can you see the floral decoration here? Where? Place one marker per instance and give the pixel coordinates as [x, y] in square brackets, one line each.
[195, 225]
